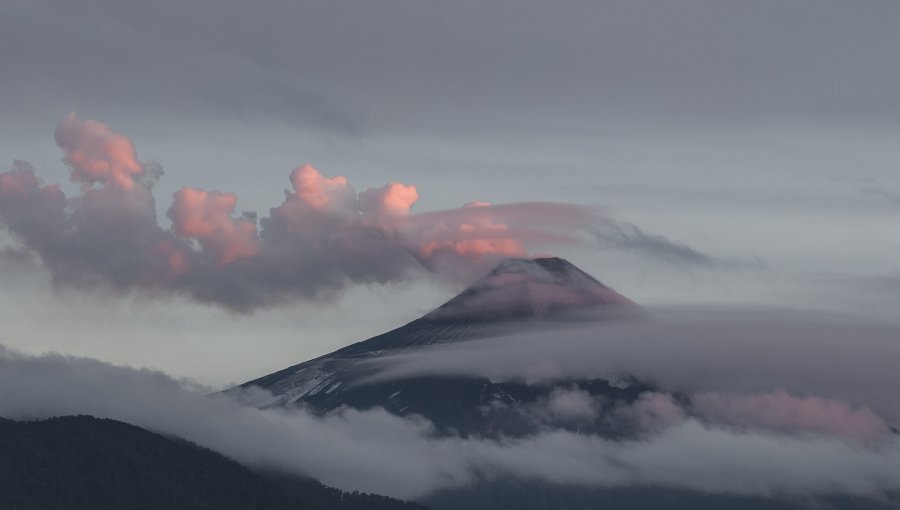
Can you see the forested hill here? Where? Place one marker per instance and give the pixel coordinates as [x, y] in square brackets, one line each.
[81, 462]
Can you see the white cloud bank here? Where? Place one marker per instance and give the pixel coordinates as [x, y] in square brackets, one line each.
[378, 452]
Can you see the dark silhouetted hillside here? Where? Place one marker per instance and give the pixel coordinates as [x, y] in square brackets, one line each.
[81, 462]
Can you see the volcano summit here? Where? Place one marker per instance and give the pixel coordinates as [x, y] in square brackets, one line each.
[518, 294]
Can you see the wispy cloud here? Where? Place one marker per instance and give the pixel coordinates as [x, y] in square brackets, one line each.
[625, 236]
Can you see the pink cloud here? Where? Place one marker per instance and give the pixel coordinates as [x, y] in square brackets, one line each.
[784, 412]
[97, 154]
[22, 183]
[321, 238]
[315, 210]
[207, 217]
[467, 241]
[392, 200]
[177, 260]
[19, 181]
[320, 192]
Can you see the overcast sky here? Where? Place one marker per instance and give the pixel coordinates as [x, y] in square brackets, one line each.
[740, 152]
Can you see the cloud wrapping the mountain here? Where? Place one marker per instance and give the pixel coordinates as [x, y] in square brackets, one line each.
[323, 237]
[741, 352]
[792, 443]
[778, 410]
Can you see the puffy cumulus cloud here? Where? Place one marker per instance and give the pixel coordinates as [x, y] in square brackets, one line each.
[323, 237]
[319, 192]
[394, 199]
[35, 211]
[348, 449]
[97, 154]
[105, 235]
[208, 217]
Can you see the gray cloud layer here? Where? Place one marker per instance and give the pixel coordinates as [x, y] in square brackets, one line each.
[769, 444]
[701, 350]
[469, 64]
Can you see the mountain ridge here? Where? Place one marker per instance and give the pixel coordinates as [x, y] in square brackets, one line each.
[517, 293]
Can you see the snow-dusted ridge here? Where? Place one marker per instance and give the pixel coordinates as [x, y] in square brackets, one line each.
[517, 291]
[522, 288]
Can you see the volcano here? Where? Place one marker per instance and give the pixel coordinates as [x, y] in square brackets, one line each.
[517, 294]
[543, 296]
[530, 288]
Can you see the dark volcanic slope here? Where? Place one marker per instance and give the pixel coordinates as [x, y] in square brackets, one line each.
[80, 462]
[519, 293]
[517, 290]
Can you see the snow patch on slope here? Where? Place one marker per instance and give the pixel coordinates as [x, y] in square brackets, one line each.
[530, 288]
